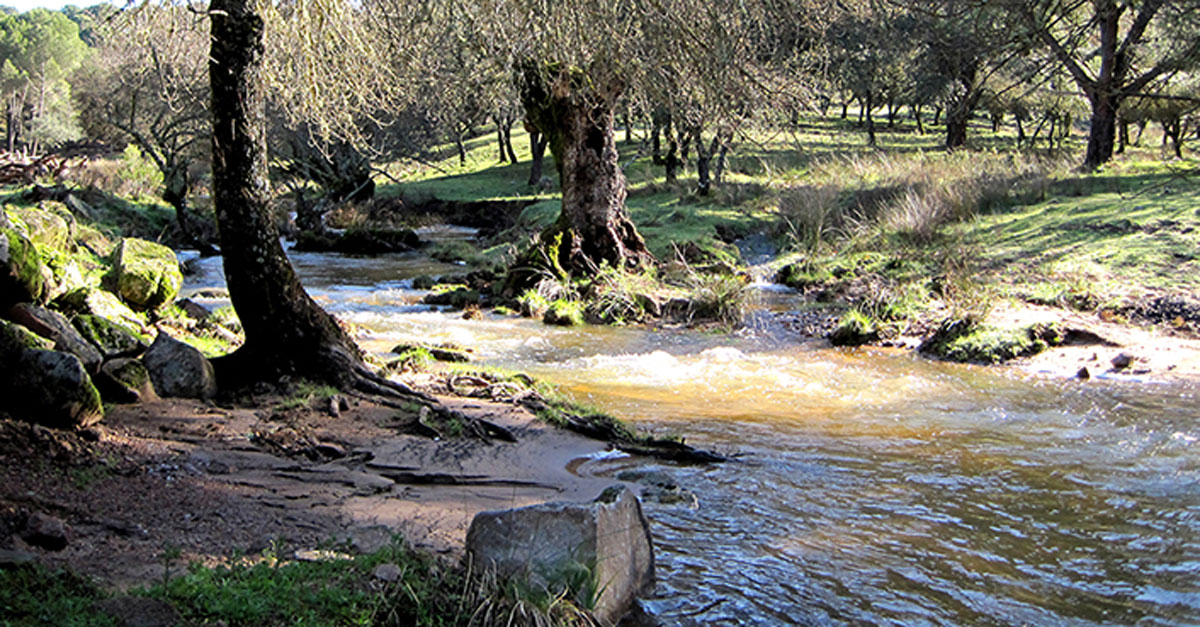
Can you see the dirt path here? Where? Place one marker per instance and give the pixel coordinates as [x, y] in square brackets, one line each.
[215, 482]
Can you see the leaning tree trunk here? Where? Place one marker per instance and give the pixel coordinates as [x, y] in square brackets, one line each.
[594, 228]
[286, 332]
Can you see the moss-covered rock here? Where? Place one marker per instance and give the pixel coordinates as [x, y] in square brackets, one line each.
[967, 341]
[457, 296]
[46, 387]
[145, 275]
[854, 329]
[15, 339]
[102, 303]
[564, 313]
[49, 224]
[113, 339]
[451, 354]
[23, 277]
[124, 380]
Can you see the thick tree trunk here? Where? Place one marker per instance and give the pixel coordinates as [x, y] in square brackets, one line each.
[937, 116]
[286, 332]
[1102, 136]
[956, 128]
[594, 228]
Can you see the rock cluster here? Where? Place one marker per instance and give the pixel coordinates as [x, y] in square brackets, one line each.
[74, 329]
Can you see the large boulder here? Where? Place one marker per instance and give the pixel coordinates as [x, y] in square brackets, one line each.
[114, 340]
[177, 369]
[102, 303]
[145, 275]
[23, 277]
[46, 387]
[56, 328]
[49, 224]
[598, 553]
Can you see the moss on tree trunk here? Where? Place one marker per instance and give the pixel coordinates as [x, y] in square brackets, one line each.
[594, 227]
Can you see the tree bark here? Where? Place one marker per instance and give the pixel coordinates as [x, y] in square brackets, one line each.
[594, 227]
[703, 159]
[286, 332]
[1102, 136]
[537, 148]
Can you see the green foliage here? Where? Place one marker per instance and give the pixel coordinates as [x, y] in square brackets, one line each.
[854, 329]
[139, 175]
[305, 393]
[35, 595]
[564, 313]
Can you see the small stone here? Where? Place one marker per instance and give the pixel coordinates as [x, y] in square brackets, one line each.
[334, 406]
[387, 572]
[1122, 361]
[194, 310]
[46, 532]
[1083, 374]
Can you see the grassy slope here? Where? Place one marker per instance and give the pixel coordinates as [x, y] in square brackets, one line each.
[1025, 225]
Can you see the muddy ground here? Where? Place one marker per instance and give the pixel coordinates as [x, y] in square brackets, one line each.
[162, 484]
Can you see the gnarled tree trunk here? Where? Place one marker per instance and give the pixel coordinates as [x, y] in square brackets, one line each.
[594, 228]
[286, 332]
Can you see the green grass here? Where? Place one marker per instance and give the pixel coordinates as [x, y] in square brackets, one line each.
[914, 222]
[1136, 225]
[271, 591]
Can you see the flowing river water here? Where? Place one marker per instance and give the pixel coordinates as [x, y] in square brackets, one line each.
[873, 487]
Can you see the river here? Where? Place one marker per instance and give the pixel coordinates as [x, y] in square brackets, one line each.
[872, 487]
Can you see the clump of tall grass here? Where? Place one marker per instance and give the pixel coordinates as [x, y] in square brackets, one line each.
[911, 195]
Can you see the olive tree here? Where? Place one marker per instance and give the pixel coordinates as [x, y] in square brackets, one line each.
[147, 83]
[1113, 50]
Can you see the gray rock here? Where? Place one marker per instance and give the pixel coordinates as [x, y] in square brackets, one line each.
[15, 558]
[194, 310]
[124, 380]
[56, 328]
[599, 553]
[46, 387]
[177, 369]
[46, 532]
[1122, 361]
[387, 572]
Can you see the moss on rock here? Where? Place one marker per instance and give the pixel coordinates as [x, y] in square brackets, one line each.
[23, 277]
[971, 342]
[145, 275]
